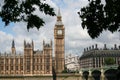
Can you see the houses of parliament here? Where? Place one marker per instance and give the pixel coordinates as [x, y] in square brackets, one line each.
[33, 62]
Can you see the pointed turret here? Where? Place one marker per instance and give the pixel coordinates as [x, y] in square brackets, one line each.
[51, 42]
[24, 43]
[59, 15]
[13, 44]
[59, 18]
[43, 42]
[32, 44]
[13, 47]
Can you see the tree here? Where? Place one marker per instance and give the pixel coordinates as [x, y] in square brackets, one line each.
[22, 10]
[98, 16]
[65, 70]
[109, 61]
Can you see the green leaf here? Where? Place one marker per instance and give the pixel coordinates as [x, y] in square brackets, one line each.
[16, 11]
[100, 17]
[34, 21]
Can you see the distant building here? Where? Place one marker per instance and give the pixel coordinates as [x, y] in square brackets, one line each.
[35, 62]
[72, 62]
[94, 57]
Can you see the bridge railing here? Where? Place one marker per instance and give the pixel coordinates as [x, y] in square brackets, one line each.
[106, 73]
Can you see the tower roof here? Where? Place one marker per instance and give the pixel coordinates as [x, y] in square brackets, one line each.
[59, 20]
[59, 14]
[13, 44]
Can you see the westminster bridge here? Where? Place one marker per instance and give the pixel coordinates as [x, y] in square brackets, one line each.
[105, 73]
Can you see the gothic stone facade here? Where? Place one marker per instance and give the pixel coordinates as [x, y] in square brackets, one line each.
[95, 57]
[33, 62]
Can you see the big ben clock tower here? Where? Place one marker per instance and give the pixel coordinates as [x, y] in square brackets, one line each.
[59, 34]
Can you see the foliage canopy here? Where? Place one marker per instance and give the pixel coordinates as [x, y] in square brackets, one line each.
[97, 16]
[22, 10]
[109, 61]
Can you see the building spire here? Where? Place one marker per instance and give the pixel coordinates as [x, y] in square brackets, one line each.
[59, 14]
[24, 43]
[13, 47]
[51, 42]
[43, 42]
[32, 44]
[13, 44]
[59, 18]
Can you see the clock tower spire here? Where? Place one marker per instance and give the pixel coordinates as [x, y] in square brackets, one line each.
[59, 18]
[59, 34]
[59, 15]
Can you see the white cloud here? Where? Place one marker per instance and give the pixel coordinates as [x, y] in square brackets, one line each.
[76, 39]
[5, 41]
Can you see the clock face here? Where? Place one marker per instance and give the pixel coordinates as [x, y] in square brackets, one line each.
[59, 32]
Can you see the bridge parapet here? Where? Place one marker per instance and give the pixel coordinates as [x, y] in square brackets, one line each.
[103, 67]
[105, 73]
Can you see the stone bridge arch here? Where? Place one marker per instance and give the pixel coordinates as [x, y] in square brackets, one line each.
[101, 72]
[111, 74]
[96, 74]
[85, 75]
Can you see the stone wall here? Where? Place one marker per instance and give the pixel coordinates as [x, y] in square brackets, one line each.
[59, 77]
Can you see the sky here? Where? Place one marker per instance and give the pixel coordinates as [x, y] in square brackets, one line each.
[76, 38]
